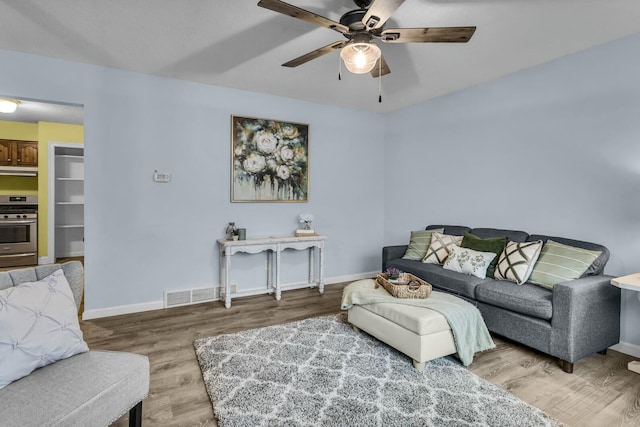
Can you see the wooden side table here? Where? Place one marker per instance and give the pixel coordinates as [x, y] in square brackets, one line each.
[631, 283]
[273, 246]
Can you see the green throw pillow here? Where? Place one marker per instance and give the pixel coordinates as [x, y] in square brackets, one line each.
[491, 244]
[419, 243]
[559, 263]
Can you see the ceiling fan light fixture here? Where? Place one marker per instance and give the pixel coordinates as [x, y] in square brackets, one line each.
[8, 106]
[360, 58]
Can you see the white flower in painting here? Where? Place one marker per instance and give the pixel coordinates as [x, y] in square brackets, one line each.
[266, 142]
[305, 217]
[286, 153]
[272, 165]
[283, 172]
[254, 163]
[300, 155]
[289, 131]
[238, 150]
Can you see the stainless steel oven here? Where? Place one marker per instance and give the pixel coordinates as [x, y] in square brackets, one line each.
[18, 230]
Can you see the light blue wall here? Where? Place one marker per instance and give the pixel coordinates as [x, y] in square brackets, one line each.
[143, 238]
[553, 149]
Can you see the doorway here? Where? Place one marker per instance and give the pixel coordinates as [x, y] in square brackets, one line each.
[39, 122]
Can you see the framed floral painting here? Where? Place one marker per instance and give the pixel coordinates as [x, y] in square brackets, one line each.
[269, 160]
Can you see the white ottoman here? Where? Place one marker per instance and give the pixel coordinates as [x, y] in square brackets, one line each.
[420, 333]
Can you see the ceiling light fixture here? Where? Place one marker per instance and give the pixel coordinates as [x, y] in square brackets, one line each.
[8, 105]
[360, 56]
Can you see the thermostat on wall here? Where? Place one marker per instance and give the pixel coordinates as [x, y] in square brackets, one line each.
[161, 177]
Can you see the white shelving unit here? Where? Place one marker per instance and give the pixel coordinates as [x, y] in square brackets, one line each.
[69, 201]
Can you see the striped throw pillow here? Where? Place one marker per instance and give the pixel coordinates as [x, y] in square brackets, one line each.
[419, 243]
[559, 263]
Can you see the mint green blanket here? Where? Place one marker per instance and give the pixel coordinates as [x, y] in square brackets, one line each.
[467, 325]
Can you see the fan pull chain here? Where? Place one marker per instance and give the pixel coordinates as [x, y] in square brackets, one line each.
[380, 80]
[339, 69]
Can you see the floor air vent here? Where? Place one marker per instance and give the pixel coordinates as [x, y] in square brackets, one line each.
[190, 296]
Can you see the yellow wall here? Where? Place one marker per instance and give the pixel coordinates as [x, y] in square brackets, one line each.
[48, 132]
[27, 185]
[43, 132]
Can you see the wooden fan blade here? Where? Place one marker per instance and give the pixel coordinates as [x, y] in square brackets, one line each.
[379, 12]
[376, 71]
[305, 15]
[428, 35]
[315, 54]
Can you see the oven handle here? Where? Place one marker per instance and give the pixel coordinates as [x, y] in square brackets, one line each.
[16, 255]
[12, 221]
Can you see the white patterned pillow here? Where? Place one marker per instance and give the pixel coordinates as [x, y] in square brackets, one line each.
[38, 326]
[468, 261]
[517, 260]
[439, 248]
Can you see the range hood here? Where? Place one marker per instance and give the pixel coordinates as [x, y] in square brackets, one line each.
[18, 171]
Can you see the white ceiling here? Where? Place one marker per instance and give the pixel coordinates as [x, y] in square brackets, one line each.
[30, 111]
[240, 45]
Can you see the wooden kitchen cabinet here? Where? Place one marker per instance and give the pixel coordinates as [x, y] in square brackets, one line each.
[18, 153]
[7, 152]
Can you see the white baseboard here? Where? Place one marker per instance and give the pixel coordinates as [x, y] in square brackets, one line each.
[46, 260]
[122, 309]
[70, 254]
[159, 305]
[351, 277]
[627, 348]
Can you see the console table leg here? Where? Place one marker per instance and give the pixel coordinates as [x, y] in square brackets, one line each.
[278, 290]
[312, 266]
[227, 282]
[320, 274]
[270, 271]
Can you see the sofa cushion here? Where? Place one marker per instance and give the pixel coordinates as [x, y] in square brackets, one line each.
[468, 261]
[438, 277]
[490, 244]
[511, 235]
[440, 246]
[73, 272]
[597, 267]
[527, 299]
[517, 260]
[454, 230]
[419, 243]
[89, 389]
[560, 263]
[38, 326]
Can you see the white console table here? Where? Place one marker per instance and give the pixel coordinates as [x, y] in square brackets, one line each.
[632, 283]
[273, 246]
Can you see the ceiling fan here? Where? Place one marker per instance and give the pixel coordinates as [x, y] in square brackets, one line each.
[361, 27]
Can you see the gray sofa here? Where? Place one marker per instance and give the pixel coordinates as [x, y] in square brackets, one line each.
[94, 388]
[574, 320]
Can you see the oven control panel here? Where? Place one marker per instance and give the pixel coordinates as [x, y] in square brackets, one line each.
[18, 216]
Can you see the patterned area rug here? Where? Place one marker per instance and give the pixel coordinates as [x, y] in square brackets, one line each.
[319, 372]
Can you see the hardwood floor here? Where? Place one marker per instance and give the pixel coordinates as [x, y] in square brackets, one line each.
[600, 392]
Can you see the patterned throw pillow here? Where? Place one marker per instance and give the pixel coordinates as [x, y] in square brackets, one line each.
[559, 263]
[439, 248]
[489, 244]
[419, 243]
[38, 326]
[517, 260]
[468, 261]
